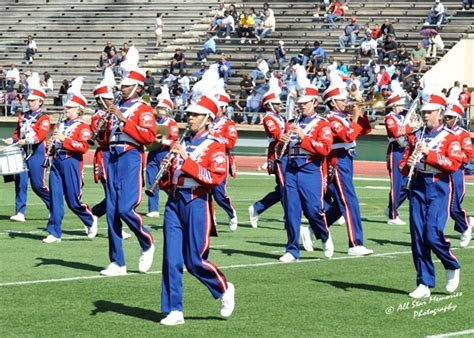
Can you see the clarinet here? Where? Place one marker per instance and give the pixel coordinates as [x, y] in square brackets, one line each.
[102, 122]
[285, 145]
[49, 150]
[165, 168]
[417, 154]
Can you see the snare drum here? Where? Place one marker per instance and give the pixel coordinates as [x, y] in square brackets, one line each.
[12, 160]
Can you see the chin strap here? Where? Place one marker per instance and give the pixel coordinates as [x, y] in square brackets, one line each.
[132, 92]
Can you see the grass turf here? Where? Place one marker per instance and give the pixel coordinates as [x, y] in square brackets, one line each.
[344, 296]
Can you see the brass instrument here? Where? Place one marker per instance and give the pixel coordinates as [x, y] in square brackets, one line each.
[378, 102]
[417, 154]
[165, 168]
[162, 131]
[49, 150]
[103, 121]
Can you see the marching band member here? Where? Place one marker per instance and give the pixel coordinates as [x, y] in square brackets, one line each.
[224, 129]
[435, 155]
[274, 125]
[397, 133]
[309, 141]
[65, 176]
[199, 165]
[452, 118]
[161, 147]
[345, 130]
[31, 131]
[131, 126]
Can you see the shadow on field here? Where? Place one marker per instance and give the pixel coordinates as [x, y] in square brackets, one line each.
[35, 237]
[273, 245]
[383, 242]
[102, 306]
[74, 265]
[369, 287]
[365, 219]
[231, 252]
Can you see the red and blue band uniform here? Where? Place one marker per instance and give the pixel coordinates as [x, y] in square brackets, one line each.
[458, 214]
[341, 173]
[430, 200]
[33, 127]
[101, 158]
[397, 136]
[188, 219]
[274, 125]
[125, 174]
[226, 132]
[305, 180]
[155, 157]
[65, 175]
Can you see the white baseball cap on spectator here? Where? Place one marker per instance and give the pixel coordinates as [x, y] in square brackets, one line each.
[281, 42]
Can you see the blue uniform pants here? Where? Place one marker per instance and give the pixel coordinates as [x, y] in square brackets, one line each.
[186, 230]
[36, 173]
[99, 209]
[276, 195]
[397, 181]
[458, 214]
[153, 163]
[429, 210]
[345, 199]
[304, 187]
[65, 180]
[223, 199]
[124, 191]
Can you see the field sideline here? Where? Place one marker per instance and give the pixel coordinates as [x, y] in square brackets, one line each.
[56, 290]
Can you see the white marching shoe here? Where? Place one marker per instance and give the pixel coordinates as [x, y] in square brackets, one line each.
[51, 239]
[465, 237]
[452, 280]
[125, 235]
[228, 301]
[253, 216]
[233, 223]
[341, 220]
[328, 247]
[359, 250]
[153, 214]
[287, 258]
[19, 217]
[92, 230]
[114, 270]
[396, 221]
[146, 259]
[173, 318]
[305, 233]
[422, 291]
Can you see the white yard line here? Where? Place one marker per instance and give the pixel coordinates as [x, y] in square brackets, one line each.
[452, 334]
[235, 266]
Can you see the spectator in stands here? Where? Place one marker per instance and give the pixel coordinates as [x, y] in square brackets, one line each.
[342, 69]
[62, 94]
[227, 25]
[31, 49]
[407, 74]
[209, 48]
[355, 94]
[224, 68]
[389, 49]
[267, 26]
[465, 97]
[466, 3]
[149, 83]
[368, 47]
[318, 55]
[358, 69]
[180, 101]
[246, 84]
[178, 61]
[218, 15]
[436, 15]
[402, 55]
[386, 30]
[376, 32]
[233, 12]
[184, 81]
[113, 62]
[261, 70]
[125, 48]
[305, 54]
[3, 74]
[47, 83]
[418, 57]
[246, 24]
[167, 78]
[311, 70]
[258, 19]
[109, 47]
[12, 77]
[350, 34]
[102, 62]
[158, 29]
[335, 13]
[323, 5]
[390, 68]
[279, 56]
[434, 42]
[455, 90]
[382, 78]
[252, 107]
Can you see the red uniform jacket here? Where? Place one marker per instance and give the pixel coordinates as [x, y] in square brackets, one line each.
[77, 133]
[34, 130]
[466, 143]
[274, 125]
[226, 132]
[395, 127]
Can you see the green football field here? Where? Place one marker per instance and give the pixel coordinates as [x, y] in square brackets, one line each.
[56, 290]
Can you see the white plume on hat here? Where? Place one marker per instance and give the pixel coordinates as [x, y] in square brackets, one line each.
[274, 85]
[109, 78]
[165, 93]
[301, 77]
[33, 81]
[208, 84]
[76, 86]
[130, 62]
[336, 80]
